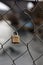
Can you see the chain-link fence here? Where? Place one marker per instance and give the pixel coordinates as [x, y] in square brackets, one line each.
[28, 40]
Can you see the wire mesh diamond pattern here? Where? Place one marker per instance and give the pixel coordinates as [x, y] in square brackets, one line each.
[15, 54]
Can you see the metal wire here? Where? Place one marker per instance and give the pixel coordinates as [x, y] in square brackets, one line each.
[25, 44]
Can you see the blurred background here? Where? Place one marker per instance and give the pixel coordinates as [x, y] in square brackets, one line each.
[26, 18]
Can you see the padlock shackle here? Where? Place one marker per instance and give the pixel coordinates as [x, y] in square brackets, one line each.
[16, 33]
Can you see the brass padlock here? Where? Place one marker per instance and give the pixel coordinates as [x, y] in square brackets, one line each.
[15, 38]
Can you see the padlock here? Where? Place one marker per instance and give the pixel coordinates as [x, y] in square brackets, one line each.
[15, 38]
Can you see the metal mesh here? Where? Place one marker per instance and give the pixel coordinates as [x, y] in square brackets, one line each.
[24, 42]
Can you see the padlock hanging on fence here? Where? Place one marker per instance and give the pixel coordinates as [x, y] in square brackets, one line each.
[15, 38]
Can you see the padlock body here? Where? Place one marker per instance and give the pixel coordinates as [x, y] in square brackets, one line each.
[15, 39]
